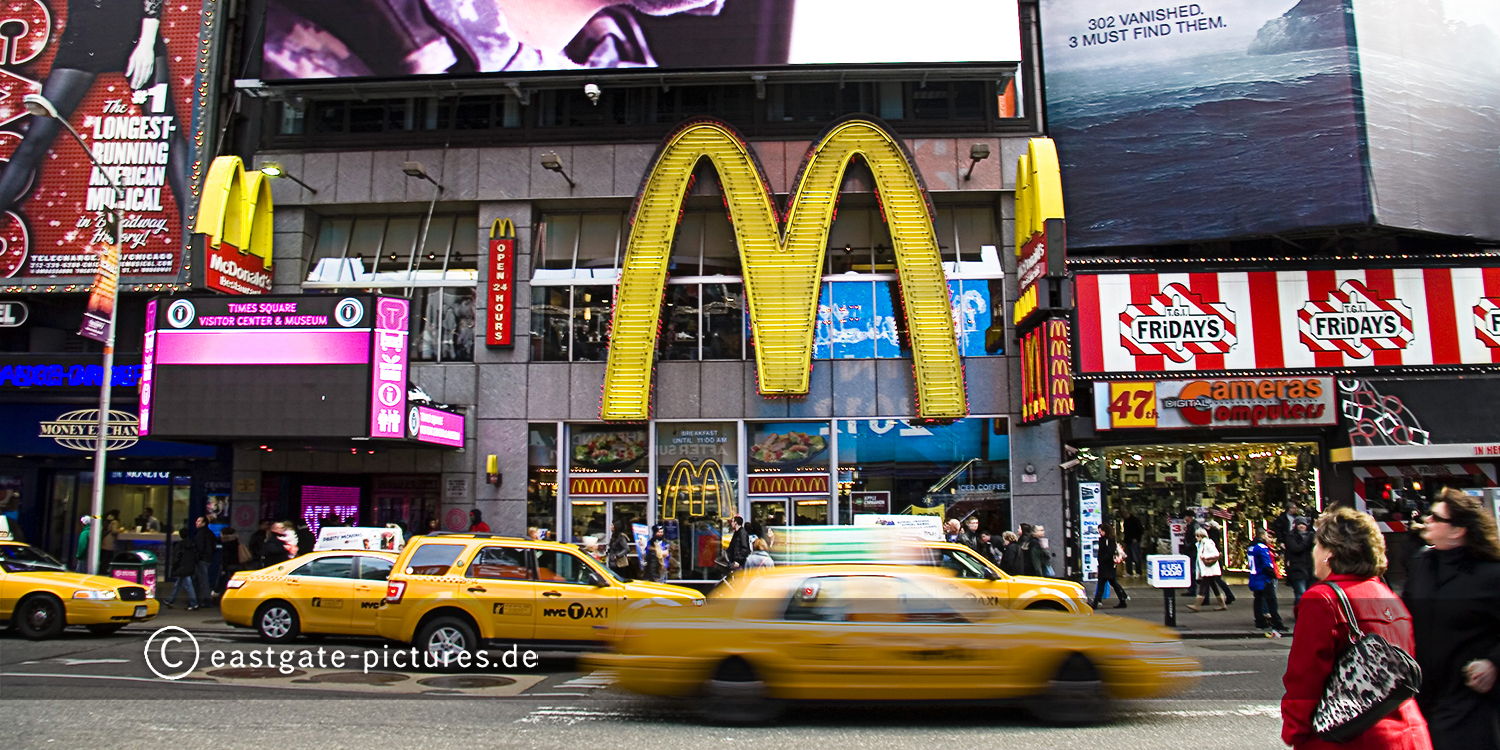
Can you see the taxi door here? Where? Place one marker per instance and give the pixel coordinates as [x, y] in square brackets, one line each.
[943, 651]
[322, 590]
[989, 587]
[573, 607]
[369, 592]
[838, 636]
[497, 589]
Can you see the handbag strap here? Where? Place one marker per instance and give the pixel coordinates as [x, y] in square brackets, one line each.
[1354, 631]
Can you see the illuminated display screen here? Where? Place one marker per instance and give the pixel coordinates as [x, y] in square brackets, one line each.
[1046, 372]
[385, 38]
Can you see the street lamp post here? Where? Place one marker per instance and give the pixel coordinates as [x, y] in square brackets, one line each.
[38, 106]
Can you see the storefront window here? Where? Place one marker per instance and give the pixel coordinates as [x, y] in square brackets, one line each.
[443, 328]
[1234, 488]
[551, 309]
[897, 466]
[607, 481]
[541, 478]
[698, 474]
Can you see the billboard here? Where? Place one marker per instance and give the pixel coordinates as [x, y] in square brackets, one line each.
[1262, 116]
[1274, 320]
[1419, 420]
[393, 38]
[124, 74]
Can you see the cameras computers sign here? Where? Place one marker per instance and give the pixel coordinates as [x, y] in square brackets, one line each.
[1215, 403]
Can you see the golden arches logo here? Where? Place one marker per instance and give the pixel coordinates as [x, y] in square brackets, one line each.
[236, 209]
[782, 262]
[783, 485]
[695, 487]
[607, 486]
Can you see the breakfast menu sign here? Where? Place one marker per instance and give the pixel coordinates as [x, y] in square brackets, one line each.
[122, 73]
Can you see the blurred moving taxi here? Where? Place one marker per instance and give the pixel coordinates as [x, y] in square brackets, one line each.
[994, 587]
[872, 632]
[334, 592]
[449, 593]
[39, 597]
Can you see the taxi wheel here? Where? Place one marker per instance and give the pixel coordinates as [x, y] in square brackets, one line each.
[276, 622]
[106, 629]
[737, 696]
[451, 641]
[1075, 696]
[40, 617]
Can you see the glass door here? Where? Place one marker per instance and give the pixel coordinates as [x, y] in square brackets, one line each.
[768, 512]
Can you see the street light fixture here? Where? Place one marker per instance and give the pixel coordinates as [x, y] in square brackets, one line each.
[415, 169]
[978, 152]
[272, 169]
[38, 106]
[551, 163]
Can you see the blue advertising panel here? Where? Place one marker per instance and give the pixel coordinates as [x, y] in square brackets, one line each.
[859, 319]
[903, 441]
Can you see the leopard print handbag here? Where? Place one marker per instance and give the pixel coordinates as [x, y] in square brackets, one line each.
[1370, 679]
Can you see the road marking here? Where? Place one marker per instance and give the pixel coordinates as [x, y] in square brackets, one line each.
[592, 681]
[86, 677]
[1264, 709]
[1223, 673]
[75, 662]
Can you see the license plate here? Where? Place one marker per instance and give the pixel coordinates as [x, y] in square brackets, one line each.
[140, 611]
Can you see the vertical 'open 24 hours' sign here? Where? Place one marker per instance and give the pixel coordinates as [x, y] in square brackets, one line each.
[499, 311]
[1274, 320]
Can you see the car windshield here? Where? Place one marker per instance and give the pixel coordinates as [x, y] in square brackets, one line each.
[20, 557]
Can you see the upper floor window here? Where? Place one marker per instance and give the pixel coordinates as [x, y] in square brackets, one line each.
[390, 250]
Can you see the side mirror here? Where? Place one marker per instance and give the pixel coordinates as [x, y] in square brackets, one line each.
[598, 580]
[990, 575]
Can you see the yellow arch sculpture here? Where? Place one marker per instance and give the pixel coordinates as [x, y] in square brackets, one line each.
[236, 208]
[782, 263]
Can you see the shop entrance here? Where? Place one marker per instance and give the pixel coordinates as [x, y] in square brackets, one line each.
[1236, 487]
[597, 517]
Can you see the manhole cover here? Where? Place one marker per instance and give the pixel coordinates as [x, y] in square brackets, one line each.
[359, 678]
[253, 673]
[466, 681]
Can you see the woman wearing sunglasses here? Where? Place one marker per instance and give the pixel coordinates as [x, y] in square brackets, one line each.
[1453, 593]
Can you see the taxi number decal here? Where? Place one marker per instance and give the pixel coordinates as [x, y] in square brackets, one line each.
[324, 603]
[503, 608]
[576, 611]
[371, 605]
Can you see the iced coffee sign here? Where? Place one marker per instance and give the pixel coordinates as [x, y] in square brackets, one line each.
[1274, 320]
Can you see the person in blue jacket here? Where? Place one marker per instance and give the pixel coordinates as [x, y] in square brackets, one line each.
[1263, 584]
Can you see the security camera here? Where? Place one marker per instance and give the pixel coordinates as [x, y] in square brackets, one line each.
[592, 91]
[1071, 450]
[1069, 464]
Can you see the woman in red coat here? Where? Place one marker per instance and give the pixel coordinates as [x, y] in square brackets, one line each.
[1349, 551]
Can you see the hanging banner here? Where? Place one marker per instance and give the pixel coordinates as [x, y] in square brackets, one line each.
[1273, 320]
[501, 315]
[98, 319]
[125, 75]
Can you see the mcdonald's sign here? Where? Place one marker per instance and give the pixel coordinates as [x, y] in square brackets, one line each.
[235, 223]
[1046, 372]
[1041, 234]
[700, 490]
[789, 484]
[606, 485]
[782, 261]
[500, 310]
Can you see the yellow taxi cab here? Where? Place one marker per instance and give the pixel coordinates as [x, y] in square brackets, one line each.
[333, 592]
[995, 588]
[39, 597]
[860, 632]
[451, 592]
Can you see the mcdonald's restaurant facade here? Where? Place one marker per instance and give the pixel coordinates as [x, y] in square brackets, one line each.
[683, 325]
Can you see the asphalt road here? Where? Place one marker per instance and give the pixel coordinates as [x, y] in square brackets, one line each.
[86, 691]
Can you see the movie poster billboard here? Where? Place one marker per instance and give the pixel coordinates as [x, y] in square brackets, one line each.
[393, 38]
[1210, 119]
[123, 74]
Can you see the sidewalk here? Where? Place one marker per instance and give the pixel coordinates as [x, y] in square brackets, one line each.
[1236, 622]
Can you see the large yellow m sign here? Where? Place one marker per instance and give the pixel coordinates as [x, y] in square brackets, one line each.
[782, 262]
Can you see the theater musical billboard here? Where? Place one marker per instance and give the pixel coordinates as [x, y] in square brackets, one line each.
[125, 75]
